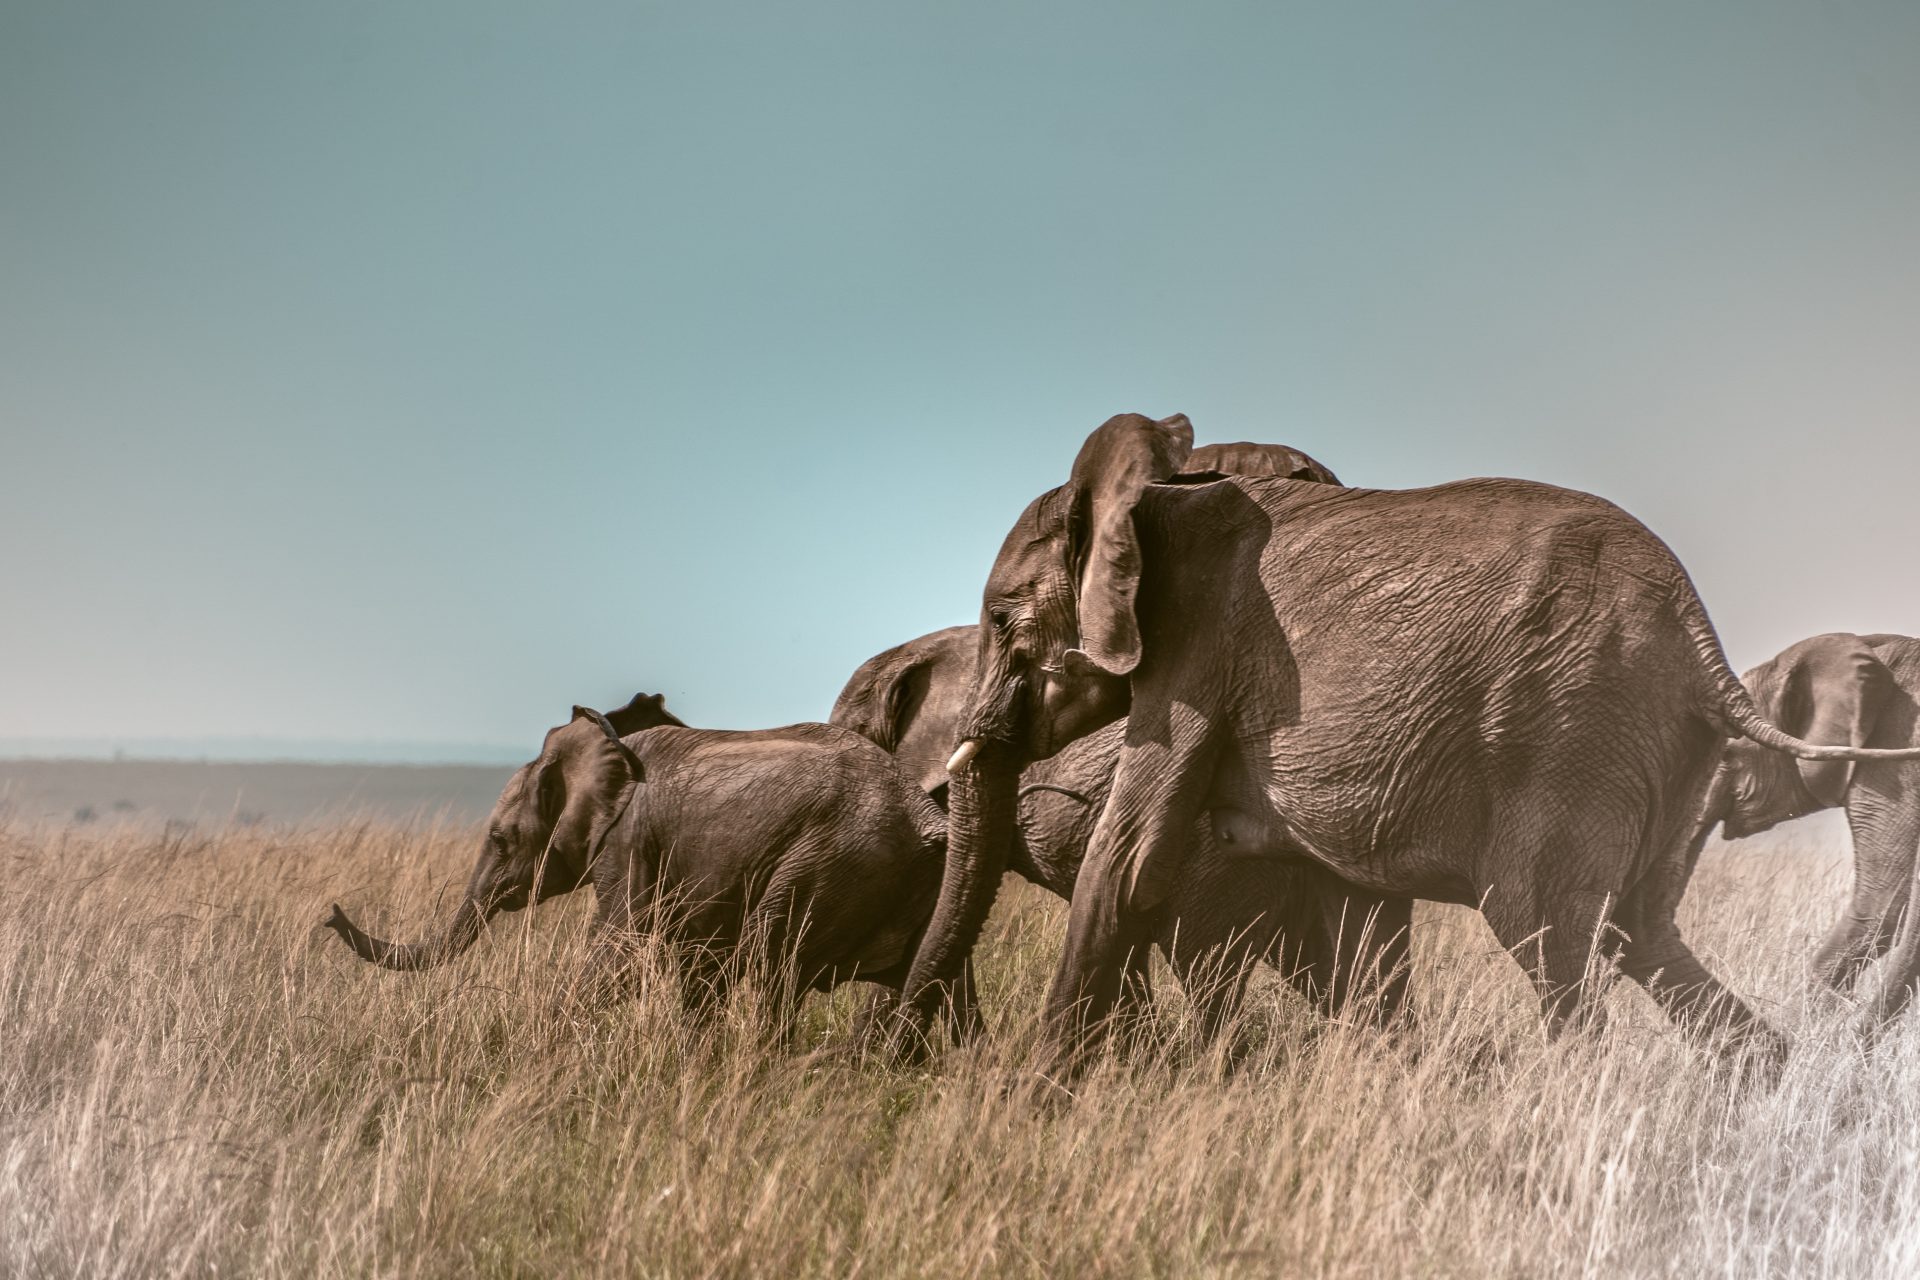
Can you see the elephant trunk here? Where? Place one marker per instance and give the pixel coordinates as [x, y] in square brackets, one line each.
[982, 807]
[460, 934]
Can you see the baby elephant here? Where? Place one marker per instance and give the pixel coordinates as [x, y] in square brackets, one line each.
[805, 840]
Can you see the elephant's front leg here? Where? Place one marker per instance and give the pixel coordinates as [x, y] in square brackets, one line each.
[1137, 851]
[611, 956]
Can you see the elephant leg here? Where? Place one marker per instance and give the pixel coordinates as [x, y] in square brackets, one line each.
[1132, 1016]
[1354, 951]
[1887, 834]
[964, 1020]
[706, 979]
[1563, 940]
[609, 969]
[871, 1022]
[1884, 839]
[1655, 956]
[1213, 964]
[1132, 862]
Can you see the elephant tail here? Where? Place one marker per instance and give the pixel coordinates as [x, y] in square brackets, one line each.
[1730, 707]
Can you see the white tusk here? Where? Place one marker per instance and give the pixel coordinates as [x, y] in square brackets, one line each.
[963, 756]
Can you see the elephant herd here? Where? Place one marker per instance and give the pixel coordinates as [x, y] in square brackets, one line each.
[1238, 712]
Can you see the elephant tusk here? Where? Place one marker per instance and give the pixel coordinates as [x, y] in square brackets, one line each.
[963, 756]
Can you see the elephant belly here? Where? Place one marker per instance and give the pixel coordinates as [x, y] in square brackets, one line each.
[1353, 826]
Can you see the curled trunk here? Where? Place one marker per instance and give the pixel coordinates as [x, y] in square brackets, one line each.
[982, 804]
[460, 934]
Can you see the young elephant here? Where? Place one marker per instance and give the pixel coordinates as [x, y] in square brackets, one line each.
[804, 839]
[1847, 690]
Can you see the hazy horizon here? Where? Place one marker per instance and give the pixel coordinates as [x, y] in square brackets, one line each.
[407, 374]
[264, 749]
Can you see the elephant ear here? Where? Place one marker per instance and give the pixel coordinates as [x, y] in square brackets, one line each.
[1831, 689]
[1245, 459]
[600, 773]
[1110, 475]
[643, 711]
[879, 701]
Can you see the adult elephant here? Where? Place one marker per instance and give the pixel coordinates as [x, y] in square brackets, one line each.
[1856, 691]
[1329, 939]
[1496, 693]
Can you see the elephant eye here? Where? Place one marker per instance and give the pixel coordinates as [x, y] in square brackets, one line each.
[1000, 619]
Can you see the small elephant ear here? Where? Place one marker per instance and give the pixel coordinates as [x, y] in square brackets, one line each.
[634, 766]
[1831, 690]
[1112, 471]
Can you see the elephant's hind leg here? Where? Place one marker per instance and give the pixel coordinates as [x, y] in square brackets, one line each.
[1565, 941]
[1655, 956]
[1355, 950]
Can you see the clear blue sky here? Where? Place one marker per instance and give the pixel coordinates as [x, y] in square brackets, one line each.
[412, 371]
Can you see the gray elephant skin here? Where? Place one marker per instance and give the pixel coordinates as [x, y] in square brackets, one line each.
[805, 839]
[1852, 690]
[1495, 692]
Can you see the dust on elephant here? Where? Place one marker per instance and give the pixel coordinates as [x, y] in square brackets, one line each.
[804, 840]
[1496, 693]
[1857, 691]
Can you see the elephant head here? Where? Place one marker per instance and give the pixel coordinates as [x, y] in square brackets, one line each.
[1828, 690]
[909, 701]
[545, 831]
[911, 698]
[1058, 640]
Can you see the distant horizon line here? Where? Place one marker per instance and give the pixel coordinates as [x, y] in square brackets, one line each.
[252, 749]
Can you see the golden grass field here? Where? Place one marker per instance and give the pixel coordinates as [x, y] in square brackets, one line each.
[199, 1082]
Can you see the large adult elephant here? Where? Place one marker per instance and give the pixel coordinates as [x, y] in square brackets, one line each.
[1496, 693]
[1856, 691]
[1329, 939]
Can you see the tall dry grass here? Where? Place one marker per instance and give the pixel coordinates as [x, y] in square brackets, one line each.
[199, 1082]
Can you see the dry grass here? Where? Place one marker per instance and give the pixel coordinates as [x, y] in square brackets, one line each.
[197, 1081]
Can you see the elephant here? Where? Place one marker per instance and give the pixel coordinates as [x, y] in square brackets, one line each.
[805, 840]
[1494, 692]
[1331, 941]
[1852, 690]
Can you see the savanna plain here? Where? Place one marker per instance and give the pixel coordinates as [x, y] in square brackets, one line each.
[199, 1081]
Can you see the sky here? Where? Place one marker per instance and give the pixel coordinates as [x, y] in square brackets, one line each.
[381, 373]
